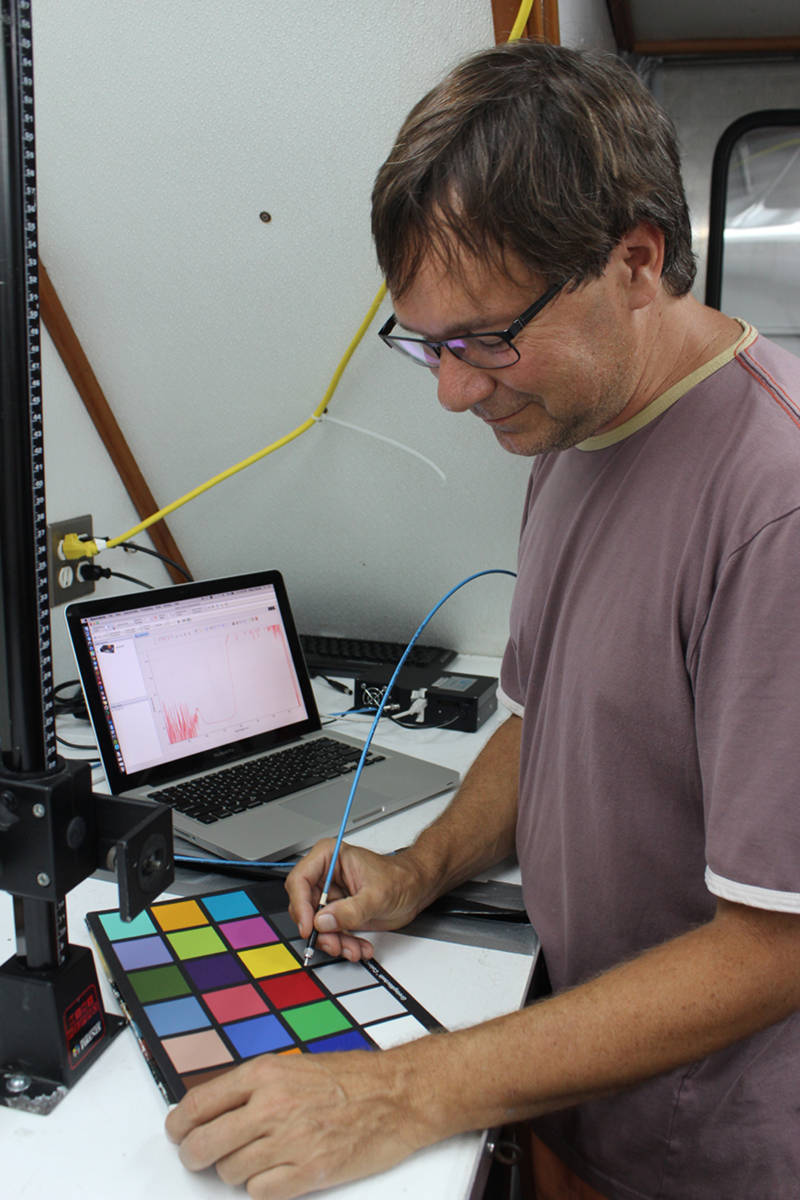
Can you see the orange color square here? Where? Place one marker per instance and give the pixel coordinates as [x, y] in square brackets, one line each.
[179, 914]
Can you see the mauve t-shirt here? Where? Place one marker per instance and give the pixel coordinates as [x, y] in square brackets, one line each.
[654, 655]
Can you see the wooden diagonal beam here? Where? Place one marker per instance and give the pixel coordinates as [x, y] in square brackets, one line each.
[72, 355]
[541, 26]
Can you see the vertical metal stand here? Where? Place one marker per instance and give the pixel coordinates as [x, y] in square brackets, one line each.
[51, 826]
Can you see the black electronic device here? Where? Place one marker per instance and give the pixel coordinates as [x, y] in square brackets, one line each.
[53, 831]
[372, 658]
[460, 702]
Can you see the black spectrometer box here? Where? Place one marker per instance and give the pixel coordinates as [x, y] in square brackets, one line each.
[461, 702]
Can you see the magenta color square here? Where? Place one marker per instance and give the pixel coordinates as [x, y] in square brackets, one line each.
[253, 931]
[233, 1004]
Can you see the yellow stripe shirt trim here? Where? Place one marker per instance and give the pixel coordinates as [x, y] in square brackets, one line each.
[661, 403]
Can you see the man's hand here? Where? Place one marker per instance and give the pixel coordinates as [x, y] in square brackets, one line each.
[368, 891]
[374, 891]
[287, 1125]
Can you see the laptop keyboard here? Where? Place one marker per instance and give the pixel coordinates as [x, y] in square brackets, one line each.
[210, 798]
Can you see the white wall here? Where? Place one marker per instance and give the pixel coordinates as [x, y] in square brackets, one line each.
[163, 130]
[585, 24]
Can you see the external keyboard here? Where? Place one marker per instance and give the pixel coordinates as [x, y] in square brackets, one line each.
[371, 659]
[210, 798]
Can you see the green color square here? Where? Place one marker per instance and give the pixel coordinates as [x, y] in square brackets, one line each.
[316, 1020]
[195, 943]
[159, 983]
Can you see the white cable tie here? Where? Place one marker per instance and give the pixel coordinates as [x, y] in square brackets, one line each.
[381, 437]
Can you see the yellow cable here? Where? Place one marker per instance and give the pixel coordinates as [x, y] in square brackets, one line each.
[73, 547]
[521, 19]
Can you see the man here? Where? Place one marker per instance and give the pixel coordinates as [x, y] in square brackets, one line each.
[647, 774]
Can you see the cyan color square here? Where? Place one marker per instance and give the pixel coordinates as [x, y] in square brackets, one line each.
[229, 905]
[116, 928]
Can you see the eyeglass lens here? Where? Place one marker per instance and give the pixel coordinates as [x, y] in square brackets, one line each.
[476, 351]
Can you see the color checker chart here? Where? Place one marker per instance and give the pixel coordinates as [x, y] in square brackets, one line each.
[210, 981]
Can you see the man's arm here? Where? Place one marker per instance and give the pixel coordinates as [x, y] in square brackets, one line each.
[290, 1126]
[372, 891]
[671, 1005]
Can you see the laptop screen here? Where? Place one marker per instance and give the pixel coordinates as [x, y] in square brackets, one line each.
[177, 675]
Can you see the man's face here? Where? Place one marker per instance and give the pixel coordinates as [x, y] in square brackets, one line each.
[578, 371]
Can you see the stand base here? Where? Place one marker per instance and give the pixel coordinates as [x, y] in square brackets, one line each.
[54, 1027]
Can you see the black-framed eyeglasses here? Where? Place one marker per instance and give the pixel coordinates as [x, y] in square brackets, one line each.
[490, 350]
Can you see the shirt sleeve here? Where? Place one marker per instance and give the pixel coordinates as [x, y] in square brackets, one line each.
[510, 693]
[746, 672]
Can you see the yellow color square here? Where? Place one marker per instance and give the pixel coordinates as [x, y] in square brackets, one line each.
[269, 960]
[180, 914]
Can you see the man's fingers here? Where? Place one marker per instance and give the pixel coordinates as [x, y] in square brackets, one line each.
[218, 1139]
[278, 1180]
[200, 1105]
[345, 945]
[304, 885]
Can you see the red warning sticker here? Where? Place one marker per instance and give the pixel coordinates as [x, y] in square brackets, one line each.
[84, 1025]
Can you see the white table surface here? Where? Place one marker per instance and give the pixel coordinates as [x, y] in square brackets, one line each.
[106, 1138]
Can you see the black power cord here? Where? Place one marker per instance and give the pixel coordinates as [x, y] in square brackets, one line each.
[71, 705]
[90, 570]
[136, 548]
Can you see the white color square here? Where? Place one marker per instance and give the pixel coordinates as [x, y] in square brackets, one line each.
[395, 1033]
[371, 1004]
[344, 976]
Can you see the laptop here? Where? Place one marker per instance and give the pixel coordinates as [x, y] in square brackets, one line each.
[186, 684]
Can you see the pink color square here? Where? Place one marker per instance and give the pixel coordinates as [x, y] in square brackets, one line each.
[252, 931]
[232, 1004]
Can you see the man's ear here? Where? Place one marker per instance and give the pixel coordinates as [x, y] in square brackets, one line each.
[640, 256]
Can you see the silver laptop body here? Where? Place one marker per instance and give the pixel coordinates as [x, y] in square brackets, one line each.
[184, 682]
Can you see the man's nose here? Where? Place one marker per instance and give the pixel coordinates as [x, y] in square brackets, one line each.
[460, 386]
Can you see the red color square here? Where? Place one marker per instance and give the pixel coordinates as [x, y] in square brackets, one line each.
[286, 990]
[234, 1003]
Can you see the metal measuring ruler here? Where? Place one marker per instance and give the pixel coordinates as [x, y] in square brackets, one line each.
[30, 669]
[29, 744]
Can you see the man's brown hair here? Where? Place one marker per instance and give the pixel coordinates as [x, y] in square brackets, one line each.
[537, 152]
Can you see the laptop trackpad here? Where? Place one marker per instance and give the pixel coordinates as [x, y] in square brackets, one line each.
[367, 805]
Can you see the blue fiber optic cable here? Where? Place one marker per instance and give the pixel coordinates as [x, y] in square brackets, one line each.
[197, 861]
[323, 900]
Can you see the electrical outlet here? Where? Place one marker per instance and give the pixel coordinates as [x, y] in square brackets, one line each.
[64, 574]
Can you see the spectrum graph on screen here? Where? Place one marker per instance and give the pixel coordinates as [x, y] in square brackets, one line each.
[181, 724]
[191, 675]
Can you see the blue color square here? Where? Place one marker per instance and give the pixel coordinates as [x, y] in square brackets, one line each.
[229, 905]
[117, 929]
[259, 1035]
[176, 1016]
[350, 1040]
